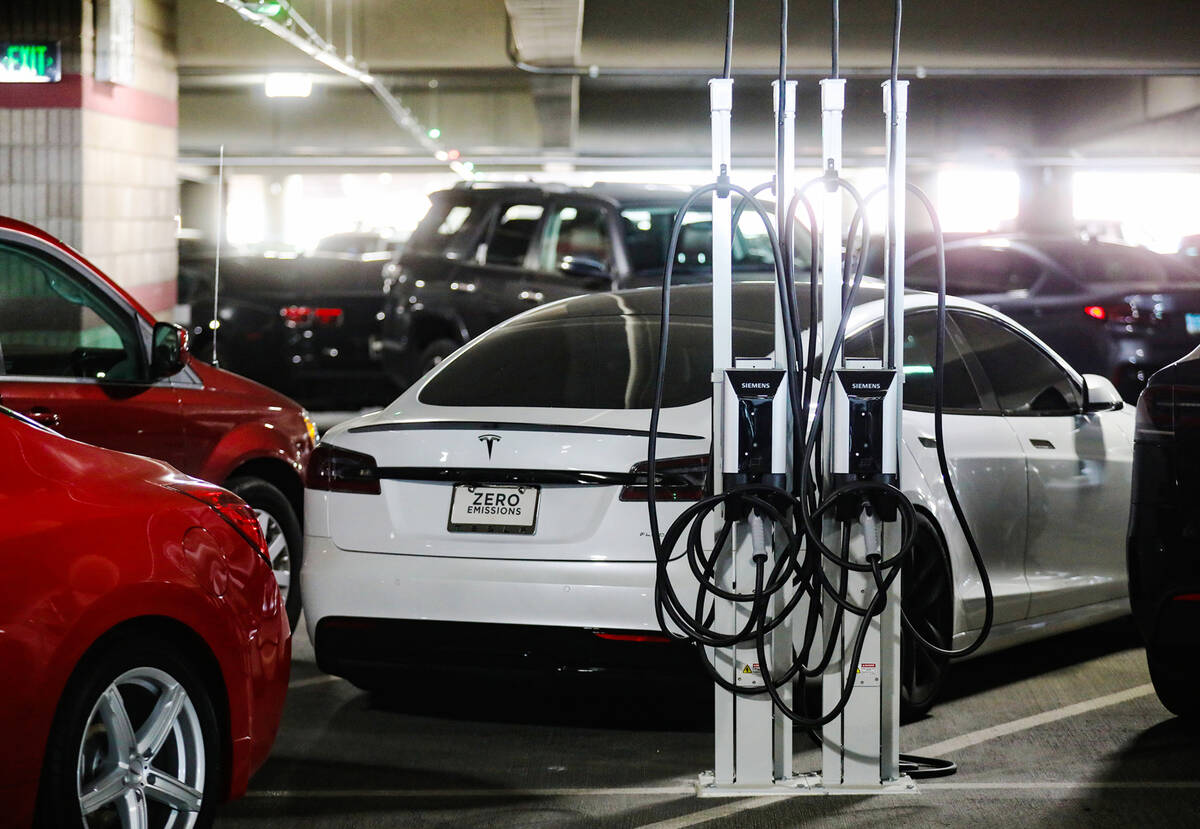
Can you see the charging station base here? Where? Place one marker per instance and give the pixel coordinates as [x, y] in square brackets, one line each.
[801, 784]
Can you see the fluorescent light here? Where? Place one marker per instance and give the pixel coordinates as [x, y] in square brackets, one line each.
[288, 85]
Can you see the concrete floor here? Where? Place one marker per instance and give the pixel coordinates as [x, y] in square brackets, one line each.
[1064, 732]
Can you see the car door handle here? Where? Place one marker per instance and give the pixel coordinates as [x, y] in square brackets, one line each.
[1039, 443]
[927, 442]
[44, 416]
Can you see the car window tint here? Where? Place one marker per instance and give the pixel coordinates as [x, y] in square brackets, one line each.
[577, 236]
[606, 362]
[444, 227]
[920, 331]
[510, 239]
[1023, 377]
[55, 324]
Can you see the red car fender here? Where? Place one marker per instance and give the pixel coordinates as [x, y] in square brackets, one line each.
[184, 606]
[251, 441]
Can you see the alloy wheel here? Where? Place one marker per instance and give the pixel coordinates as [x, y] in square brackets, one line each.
[277, 549]
[141, 761]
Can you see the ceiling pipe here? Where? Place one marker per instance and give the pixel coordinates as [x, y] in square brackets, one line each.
[596, 71]
[316, 47]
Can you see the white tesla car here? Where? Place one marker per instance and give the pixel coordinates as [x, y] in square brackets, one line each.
[493, 515]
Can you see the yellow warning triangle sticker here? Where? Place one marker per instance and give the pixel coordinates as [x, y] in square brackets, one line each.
[747, 670]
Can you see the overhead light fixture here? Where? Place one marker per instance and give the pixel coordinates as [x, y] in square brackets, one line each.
[288, 85]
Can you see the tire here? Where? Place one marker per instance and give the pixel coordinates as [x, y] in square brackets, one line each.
[1175, 678]
[285, 541]
[433, 354]
[126, 682]
[927, 598]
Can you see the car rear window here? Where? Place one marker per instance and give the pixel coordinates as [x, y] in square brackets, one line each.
[606, 362]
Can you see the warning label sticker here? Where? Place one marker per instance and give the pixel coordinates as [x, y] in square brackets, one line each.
[749, 675]
[868, 675]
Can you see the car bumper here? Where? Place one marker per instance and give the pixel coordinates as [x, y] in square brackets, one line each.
[370, 614]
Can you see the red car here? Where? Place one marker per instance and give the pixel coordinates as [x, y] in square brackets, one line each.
[79, 355]
[143, 643]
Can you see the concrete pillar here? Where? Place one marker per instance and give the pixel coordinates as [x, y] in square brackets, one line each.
[92, 157]
[1046, 201]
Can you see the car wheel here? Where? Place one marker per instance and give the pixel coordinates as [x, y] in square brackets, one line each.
[1174, 678]
[433, 354]
[135, 742]
[927, 598]
[285, 542]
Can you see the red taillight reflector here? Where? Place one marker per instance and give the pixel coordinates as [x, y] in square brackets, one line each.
[1186, 597]
[327, 316]
[232, 509]
[630, 637]
[1096, 312]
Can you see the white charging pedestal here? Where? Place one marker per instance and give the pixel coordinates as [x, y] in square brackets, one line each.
[753, 741]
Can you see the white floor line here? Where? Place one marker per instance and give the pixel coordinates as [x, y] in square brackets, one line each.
[956, 744]
[632, 791]
[931, 786]
[984, 734]
[731, 808]
[716, 813]
[312, 680]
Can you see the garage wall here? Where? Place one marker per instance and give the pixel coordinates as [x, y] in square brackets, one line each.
[94, 162]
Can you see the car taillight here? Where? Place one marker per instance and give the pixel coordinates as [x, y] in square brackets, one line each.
[334, 469]
[678, 479]
[232, 509]
[295, 315]
[1155, 421]
[1122, 313]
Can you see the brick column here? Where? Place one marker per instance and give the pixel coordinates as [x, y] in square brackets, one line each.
[93, 162]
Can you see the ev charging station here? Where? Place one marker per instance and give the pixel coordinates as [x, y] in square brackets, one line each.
[754, 749]
[798, 550]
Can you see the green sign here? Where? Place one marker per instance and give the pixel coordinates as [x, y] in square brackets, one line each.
[30, 63]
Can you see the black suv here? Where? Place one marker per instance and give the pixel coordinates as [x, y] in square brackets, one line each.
[486, 252]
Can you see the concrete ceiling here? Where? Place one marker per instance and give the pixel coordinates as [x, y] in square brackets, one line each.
[1024, 81]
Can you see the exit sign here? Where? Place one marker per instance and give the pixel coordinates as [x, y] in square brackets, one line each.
[30, 62]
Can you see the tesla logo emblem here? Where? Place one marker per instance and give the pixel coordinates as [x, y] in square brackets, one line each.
[490, 440]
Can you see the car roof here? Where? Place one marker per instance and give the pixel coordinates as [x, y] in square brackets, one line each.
[753, 301]
[619, 193]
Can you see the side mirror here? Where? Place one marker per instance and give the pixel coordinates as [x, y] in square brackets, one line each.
[1100, 395]
[582, 266]
[168, 355]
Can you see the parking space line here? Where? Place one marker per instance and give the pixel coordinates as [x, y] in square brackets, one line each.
[1025, 723]
[634, 791]
[715, 813]
[312, 680]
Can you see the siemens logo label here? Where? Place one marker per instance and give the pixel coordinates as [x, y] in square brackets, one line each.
[756, 385]
[866, 386]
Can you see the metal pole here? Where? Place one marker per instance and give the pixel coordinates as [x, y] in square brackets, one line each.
[215, 322]
[781, 639]
[889, 621]
[833, 102]
[721, 106]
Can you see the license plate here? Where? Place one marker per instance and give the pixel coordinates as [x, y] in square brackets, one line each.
[484, 508]
[1192, 321]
